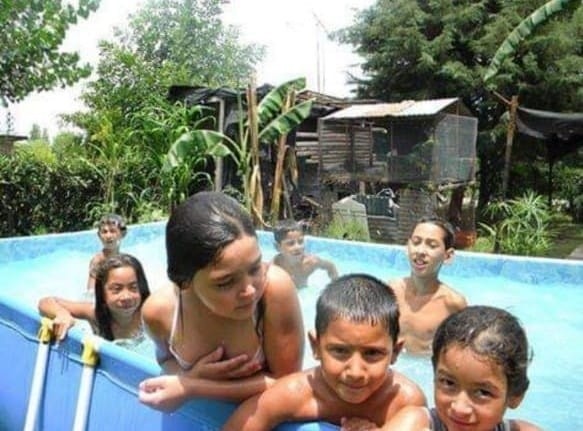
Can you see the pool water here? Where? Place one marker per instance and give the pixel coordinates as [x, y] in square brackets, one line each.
[544, 294]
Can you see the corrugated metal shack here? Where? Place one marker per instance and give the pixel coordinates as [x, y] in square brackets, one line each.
[424, 151]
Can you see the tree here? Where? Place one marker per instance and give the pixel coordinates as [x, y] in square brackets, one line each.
[35, 132]
[189, 38]
[31, 34]
[418, 49]
[508, 48]
[523, 30]
[167, 42]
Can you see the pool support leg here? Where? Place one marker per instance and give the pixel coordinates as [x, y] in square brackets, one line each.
[89, 357]
[40, 367]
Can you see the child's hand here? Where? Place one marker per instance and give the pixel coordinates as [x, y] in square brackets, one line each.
[357, 424]
[165, 393]
[213, 368]
[61, 324]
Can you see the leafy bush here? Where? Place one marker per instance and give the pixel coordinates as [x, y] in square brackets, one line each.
[520, 226]
[67, 194]
[346, 229]
[569, 186]
[44, 197]
[483, 244]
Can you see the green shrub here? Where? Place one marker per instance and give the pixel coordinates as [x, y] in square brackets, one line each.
[483, 244]
[44, 197]
[520, 226]
[346, 229]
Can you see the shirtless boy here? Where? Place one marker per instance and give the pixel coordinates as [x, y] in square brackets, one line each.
[425, 301]
[110, 230]
[289, 242]
[355, 341]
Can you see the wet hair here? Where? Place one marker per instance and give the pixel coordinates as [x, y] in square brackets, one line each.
[492, 333]
[447, 227]
[102, 313]
[358, 298]
[283, 227]
[113, 220]
[199, 229]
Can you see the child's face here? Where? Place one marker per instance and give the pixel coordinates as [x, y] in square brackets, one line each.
[110, 236]
[471, 391]
[122, 292]
[292, 246]
[426, 250]
[233, 285]
[354, 357]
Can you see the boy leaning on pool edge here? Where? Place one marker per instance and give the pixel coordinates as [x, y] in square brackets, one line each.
[355, 340]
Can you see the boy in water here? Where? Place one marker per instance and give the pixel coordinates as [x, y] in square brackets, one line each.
[424, 301]
[110, 230]
[356, 341]
[289, 242]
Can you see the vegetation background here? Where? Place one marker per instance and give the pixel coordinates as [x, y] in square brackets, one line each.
[412, 49]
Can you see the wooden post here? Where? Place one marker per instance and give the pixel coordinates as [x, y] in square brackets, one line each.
[509, 139]
[219, 160]
[279, 165]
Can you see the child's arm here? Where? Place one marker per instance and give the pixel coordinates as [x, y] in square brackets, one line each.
[64, 313]
[456, 301]
[210, 377]
[410, 418]
[327, 266]
[282, 402]
[283, 329]
[330, 268]
[92, 273]
[169, 392]
[409, 398]
[157, 314]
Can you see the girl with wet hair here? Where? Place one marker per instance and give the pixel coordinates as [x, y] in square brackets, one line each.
[228, 324]
[120, 290]
[480, 360]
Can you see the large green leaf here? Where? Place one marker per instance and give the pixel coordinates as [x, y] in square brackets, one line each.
[523, 30]
[272, 104]
[198, 144]
[286, 122]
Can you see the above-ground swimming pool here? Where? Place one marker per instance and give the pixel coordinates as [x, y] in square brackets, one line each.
[543, 293]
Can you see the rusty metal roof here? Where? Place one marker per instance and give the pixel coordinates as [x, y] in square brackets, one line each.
[407, 108]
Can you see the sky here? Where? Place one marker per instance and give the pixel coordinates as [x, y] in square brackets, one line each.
[293, 33]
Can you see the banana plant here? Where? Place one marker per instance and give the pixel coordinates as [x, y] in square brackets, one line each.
[265, 123]
[522, 31]
[187, 158]
[269, 122]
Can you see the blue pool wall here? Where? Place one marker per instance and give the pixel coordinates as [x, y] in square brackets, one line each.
[467, 264]
[114, 403]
